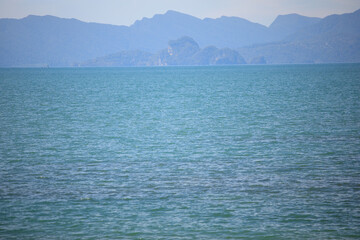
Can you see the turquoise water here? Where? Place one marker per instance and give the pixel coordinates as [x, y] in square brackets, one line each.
[263, 152]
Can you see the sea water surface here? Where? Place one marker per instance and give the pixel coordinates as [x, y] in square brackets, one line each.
[261, 152]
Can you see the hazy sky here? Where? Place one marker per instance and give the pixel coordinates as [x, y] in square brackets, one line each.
[125, 12]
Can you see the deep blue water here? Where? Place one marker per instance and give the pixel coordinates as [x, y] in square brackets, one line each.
[264, 152]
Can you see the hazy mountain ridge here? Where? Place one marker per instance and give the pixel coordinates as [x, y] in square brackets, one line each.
[181, 52]
[56, 41]
[334, 39]
[48, 40]
[285, 25]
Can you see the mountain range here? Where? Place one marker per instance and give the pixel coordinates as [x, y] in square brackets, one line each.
[183, 51]
[52, 41]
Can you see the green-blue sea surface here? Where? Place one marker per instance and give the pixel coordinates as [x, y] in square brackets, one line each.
[262, 152]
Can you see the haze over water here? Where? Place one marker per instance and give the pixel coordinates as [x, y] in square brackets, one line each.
[267, 152]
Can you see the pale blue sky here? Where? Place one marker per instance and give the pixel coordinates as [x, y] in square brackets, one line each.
[125, 12]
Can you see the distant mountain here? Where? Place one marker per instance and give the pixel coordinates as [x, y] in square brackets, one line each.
[55, 41]
[335, 38]
[285, 25]
[161, 28]
[48, 40]
[229, 32]
[333, 26]
[183, 51]
[52, 41]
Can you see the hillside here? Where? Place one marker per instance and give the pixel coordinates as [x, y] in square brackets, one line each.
[55, 41]
[334, 39]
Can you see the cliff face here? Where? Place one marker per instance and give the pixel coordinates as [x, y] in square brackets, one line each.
[179, 52]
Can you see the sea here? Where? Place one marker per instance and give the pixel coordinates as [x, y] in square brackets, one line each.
[219, 152]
